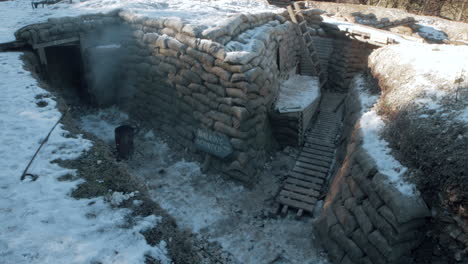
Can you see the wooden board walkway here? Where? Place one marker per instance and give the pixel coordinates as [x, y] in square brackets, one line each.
[301, 189]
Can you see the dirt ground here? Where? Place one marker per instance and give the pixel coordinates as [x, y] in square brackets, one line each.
[241, 221]
[103, 176]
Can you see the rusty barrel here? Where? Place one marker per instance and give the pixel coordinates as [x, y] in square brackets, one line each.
[124, 141]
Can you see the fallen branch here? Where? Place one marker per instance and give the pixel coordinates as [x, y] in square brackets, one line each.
[34, 177]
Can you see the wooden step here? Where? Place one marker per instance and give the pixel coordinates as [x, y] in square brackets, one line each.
[297, 196]
[305, 177]
[309, 171]
[315, 162]
[317, 157]
[312, 169]
[318, 143]
[301, 190]
[301, 183]
[321, 148]
[317, 152]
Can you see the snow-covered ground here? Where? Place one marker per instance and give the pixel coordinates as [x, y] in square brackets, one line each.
[426, 74]
[18, 13]
[40, 222]
[376, 33]
[371, 126]
[243, 221]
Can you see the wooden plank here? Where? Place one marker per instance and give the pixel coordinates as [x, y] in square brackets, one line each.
[301, 190]
[319, 143]
[315, 162]
[292, 15]
[298, 197]
[42, 56]
[317, 157]
[302, 183]
[299, 212]
[317, 152]
[284, 210]
[321, 148]
[56, 42]
[304, 177]
[296, 204]
[311, 167]
[309, 172]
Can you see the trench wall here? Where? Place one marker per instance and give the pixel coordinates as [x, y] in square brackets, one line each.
[182, 78]
[365, 219]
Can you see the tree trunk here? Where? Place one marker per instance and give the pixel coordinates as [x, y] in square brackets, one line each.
[461, 10]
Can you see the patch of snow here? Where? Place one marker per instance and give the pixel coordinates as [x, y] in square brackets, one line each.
[104, 130]
[16, 14]
[372, 125]
[248, 40]
[41, 222]
[221, 210]
[110, 46]
[376, 33]
[117, 198]
[297, 93]
[463, 115]
[428, 72]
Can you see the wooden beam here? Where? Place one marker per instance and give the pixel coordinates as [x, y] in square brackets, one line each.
[56, 42]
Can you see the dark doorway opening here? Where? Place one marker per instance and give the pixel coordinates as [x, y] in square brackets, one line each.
[66, 72]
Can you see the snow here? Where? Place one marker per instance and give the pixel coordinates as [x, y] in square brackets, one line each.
[428, 73]
[375, 33]
[297, 93]
[104, 130]
[19, 13]
[41, 222]
[110, 46]
[215, 208]
[371, 126]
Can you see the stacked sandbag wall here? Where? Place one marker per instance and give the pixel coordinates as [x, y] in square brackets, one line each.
[365, 219]
[182, 78]
[183, 83]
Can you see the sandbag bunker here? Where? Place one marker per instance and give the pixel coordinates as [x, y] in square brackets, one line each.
[233, 93]
[210, 88]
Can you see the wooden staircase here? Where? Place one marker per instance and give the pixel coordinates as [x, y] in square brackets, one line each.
[302, 188]
[309, 63]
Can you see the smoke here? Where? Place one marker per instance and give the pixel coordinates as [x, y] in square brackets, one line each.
[103, 55]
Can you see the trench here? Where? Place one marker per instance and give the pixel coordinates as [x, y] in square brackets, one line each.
[242, 220]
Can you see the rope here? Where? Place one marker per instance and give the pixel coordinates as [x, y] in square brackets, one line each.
[34, 177]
